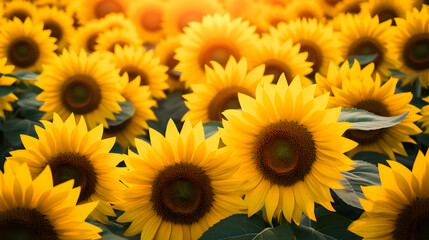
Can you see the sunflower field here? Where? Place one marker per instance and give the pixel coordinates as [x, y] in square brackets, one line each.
[214, 119]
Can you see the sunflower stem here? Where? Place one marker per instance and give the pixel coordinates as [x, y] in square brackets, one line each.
[417, 89]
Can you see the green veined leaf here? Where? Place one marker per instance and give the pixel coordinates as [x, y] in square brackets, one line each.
[127, 111]
[24, 75]
[308, 233]
[211, 128]
[363, 59]
[5, 90]
[396, 73]
[281, 232]
[335, 225]
[364, 120]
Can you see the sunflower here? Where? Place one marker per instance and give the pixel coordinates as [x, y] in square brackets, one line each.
[419, 4]
[305, 9]
[97, 9]
[85, 85]
[26, 45]
[318, 40]
[140, 97]
[6, 81]
[379, 99]
[60, 24]
[74, 153]
[289, 147]
[179, 13]
[20, 9]
[336, 75]
[35, 209]
[122, 37]
[329, 6]
[349, 6]
[281, 58]
[86, 37]
[165, 51]
[386, 10]
[425, 116]
[180, 185]
[409, 44]
[271, 16]
[364, 35]
[220, 91]
[147, 15]
[215, 39]
[399, 208]
[136, 61]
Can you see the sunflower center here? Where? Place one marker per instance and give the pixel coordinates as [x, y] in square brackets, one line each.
[133, 72]
[19, 13]
[314, 56]
[367, 46]
[353, 8]
[182, 193]
[67, 166]
[56, 30]
[186, 18]
[25, 223]
[412, 222]
[416, 52]
[23, 52]
[332, 2]
[306, 14]
[81, 94]
[276, 68]
[368, 137]
[386, 14]
[171, 64]
[91, 42]
[151, 21]
[285, 152]
[219, 53]
[105, 7]
[225, 99]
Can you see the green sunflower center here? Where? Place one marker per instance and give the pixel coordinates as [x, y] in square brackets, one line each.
[67, 166]
[26, 224]
[314, 56]
[367, 46]
[223, 100]
[416, 52]
[133, 72]
[368, 137]
[81, 94]
[182, 193]
[412, 222]
[23, 52]
[151, 21]
[107, 6]
[187, 17]
[56, 30]
[276, 68]
[219, 53]
[285, 152]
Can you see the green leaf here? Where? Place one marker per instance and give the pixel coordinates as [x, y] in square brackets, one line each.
[113, 231]
[363, 59]
[237, 226]
[5, 90]
[281, 232]
[364, 174]
[371, 157]
[127, 111]
[24, 75]
[364, 120]
[15, 127]
[396, 73]
[210, 128]
[308, 233]
[28, 100]
[335, 225]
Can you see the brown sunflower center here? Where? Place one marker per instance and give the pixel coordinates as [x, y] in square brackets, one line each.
[306, 14]
[23, 52]
[314, 56]
[133, 72]
[386, 14]
[225, 99]
[56, 29]
[151, 20]
[219, 53]
[105, 7]
[367, 46]
[81, 94]
[171, 63]
[187, 17]
[182, 193]
[353, 8]
[368, 137]
[276, 68]
[285, 152]
[67, 166]
[416, 52]
[26, 223]
[19, 13]
[91, 42]
[412, 222]
[332, 2]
